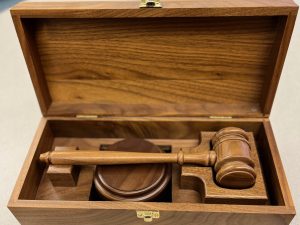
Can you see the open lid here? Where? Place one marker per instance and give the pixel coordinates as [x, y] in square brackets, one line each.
[188, 58]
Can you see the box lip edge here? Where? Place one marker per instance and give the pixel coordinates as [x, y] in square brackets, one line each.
[280, 172]
[14, 196]
[197, 207]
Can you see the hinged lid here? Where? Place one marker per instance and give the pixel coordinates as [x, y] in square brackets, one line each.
[188, 58]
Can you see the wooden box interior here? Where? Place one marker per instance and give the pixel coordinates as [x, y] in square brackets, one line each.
[163, 74]
[169, 130]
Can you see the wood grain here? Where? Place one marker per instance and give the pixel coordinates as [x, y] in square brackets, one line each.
[63, 175]
[33, 63]
[220, 58]
[171, 8]
[210, 193]
[135, 62]
[132, 182]
[285, 30]
[91, 215]
[54, 211]
[230, 158]
[118, 157]
[275, 177]
[147, 127]
[200, 180]
[32, 178]
[201, 109]
[191, 85]
[126, 66]
[80, 192]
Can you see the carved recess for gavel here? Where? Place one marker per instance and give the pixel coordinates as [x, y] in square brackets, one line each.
[230, 158]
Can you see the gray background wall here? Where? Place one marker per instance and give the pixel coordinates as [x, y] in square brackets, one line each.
[20, 114]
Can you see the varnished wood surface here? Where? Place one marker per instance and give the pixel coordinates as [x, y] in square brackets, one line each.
[200, 180]
[171, 8]
[132, 182]
[32, 212]
[50, 216]
[285, 28]
[31, 180]
[215, 66]
[33, 64]
[147, 127]
[63, 175]
[230, 158]
[275, 177]
[240, 56]
[94, 157]
[234, 166]
[80, 192]
[152, 65]
[54, 212]
[165, 109]
[215, 194]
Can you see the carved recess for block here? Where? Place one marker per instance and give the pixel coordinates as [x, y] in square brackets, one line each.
[53, 187]
[197, 184]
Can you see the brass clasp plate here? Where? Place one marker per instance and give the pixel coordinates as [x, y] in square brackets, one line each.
[150, 4]
[148, 216]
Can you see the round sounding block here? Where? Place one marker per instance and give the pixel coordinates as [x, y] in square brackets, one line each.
[134, 182]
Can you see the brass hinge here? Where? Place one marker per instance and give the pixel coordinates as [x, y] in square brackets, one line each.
[150, 4]
[79, 116]
[220, 117]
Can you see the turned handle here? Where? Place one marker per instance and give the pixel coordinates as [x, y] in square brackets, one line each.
[88, 157]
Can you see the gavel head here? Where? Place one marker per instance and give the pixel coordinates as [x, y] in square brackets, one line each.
[234, 167]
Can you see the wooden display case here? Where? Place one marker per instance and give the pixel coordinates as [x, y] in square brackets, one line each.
[108, 70]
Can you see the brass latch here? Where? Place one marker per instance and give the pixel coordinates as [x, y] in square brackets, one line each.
[150, 4]
[148, 216]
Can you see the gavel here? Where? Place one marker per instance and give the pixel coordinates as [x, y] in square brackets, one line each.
[230, 158]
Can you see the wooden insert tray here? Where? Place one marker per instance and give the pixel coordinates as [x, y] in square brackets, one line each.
[32, 186]
[189, 184]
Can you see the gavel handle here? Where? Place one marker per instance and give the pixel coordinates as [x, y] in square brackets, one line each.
[88, 157]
